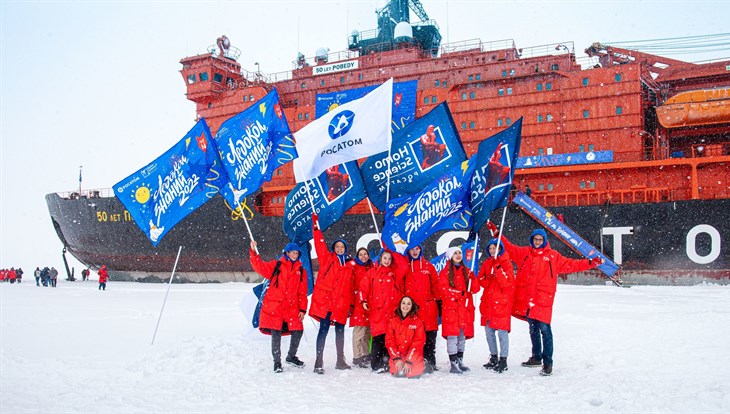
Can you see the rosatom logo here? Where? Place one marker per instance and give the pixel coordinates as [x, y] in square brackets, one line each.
[341, 124]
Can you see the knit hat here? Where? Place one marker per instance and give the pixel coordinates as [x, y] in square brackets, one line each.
[451, 250]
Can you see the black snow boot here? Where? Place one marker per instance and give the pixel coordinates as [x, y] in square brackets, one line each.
[546, 370]
[294, 361]
[318, 364]
[460, 356]
[533, 362]
[341, 363]
[492, 362]
[455, 365]
[501, 365]
[277, 367]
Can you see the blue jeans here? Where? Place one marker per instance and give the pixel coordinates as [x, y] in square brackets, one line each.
[541, 349]
[492, 335]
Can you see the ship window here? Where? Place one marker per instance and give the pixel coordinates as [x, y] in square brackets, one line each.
[471, 77]
[245, 98]
[554, 66]
[296, 102]
[586, 113]
[479, 76]
[550, 150]
[539, 119]
[217, 77]
[425, 100]
[306, 115]
[471, 125]
[619, 110]
[540, 151]
[463, 125]
[592, 184]
[300, 117]
[617, 77]
[591, 147]
[550, 187]
[203, 76]
[191, 79]
[499, 122]
[509, 121]
[500, 92]
[582, 185]
[512, 72]
[229, 81]
[463, 96]
[472, 95]
[581, 148]
[548, 86]
[509, 91]
[210, 105]
[433, 99]
[304, 85]
[504, 73]
[539, 86]
[342, 79]
[585, 82]
[321, 82]
[437, 82]
[250, 97]
[444, 83]
[549, 117]
[359, 76]
[541, 187]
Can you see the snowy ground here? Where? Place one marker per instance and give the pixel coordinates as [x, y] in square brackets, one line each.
[75, 349]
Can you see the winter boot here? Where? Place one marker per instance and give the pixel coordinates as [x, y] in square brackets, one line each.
[501, 365]
[318, 364]
[492, 362]
[432, 363]
[546, 370]
[533, 362]
[277, 367]
[460, 356]
[294, 361]
[427, 367]
[341, 364]
[455, 365]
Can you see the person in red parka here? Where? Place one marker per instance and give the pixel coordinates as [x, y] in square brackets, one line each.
[103, 277]
[405, 338]
[458, 284]
[333, 294]
[359, 320]
[379, 295]
[497, 277]
[421, 284]
[285, 301]
[538, 268]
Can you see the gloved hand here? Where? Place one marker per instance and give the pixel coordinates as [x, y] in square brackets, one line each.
[596, 261]
[492, 228]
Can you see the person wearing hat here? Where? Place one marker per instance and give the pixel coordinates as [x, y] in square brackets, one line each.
[497, 276]
[103, 277]
[285, 301]
[334, 291]
[538, 269]
[458, 284]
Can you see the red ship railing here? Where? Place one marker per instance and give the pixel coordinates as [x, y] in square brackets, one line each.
[595, 197]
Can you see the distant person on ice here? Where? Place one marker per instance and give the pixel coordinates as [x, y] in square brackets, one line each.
[285, 301]
[85, 274]
[37, 274]
[538, 268]
[103, 277]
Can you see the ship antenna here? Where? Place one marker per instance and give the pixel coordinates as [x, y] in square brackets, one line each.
[80, 167]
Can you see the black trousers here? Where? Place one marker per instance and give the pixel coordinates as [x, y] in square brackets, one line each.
[379, 353]
[296, 336]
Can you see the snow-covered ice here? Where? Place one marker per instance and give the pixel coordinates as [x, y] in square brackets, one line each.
[76, 349]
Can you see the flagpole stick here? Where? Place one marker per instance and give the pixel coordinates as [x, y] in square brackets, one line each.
[167, 293]
[474, 260]
[501, 227]
[248, 228]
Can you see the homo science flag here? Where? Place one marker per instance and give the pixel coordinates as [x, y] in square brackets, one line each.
[493, 174]
[334, 192]
[169, 188]
[421, 152]
[442, 205]
[352, 131]
[252, 145]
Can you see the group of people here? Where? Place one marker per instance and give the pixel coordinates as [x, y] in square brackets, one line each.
[11, 275]
[394, 303]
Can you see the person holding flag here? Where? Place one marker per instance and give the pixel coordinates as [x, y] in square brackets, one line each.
[359, 320]
[285, 301]
[497, 278]
[537, 278]
[457, 283]
[333, 294]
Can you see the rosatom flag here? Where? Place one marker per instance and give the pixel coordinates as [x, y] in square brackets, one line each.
[492, 179]
[352, 131]
[169, 188]
[252, 145]
[442, 205]
[421, 152]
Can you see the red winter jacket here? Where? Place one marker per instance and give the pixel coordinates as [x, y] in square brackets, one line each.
[498, 280]
[457, 308]
[404, 340]
[359, 315]
[286, 295]
[537, 278]
[421, 284]
[334, 287]
[103, 275]
[382, 290]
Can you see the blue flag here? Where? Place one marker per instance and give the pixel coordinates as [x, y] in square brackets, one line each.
[252, 145]
[305, 257]
[470, 252]
[333, 193]
[259, 290]
[442, 205]
[492, 179]
[182, 179]
[420, 153]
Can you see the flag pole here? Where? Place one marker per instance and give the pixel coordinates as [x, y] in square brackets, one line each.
[501, 227]
[372, 214]
[167, 293]
[245, 221]
[476, 257]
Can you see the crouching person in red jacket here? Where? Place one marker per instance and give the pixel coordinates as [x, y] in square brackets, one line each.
[405, 338]
[285, 301]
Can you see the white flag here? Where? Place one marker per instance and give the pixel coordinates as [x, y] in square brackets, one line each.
[357, 129]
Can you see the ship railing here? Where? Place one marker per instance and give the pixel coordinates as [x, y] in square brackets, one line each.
[477, 44]
[90, 193]
[232, 53]
[596, 197]
[550, 49]
[709, 150]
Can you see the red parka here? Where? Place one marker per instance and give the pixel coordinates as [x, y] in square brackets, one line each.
[359, 315]
[405, 339]
[103, 275]
[537, 277]
[497, 278]
[457, 308]
[334, 287]
[382, 290]
[286, 295]
[421, 284]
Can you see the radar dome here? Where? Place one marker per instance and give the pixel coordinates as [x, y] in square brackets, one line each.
[321, 54]
[403, 32]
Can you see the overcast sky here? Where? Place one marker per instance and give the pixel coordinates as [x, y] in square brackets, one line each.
[97, 83]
